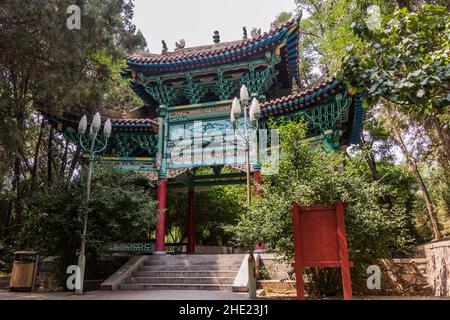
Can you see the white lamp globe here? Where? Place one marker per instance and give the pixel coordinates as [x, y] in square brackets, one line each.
[236, 109]
[96, 123]
[107, 130]
[245, 96]
[82, 127]
[255, 110]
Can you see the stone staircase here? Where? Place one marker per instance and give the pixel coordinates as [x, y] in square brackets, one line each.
[186, 272]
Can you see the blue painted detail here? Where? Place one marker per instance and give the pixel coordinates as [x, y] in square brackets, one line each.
[293, 35]
[306, 99]
[358, 122]
[234, 54]
[293, 51]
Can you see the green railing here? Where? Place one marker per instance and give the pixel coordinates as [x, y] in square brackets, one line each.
[132, 247]
[144, 248]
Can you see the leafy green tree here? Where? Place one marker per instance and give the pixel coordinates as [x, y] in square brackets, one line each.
[121, 210]
[406, 62]
[312, 176]
[404, 67]
[46, 66]
[326, 32]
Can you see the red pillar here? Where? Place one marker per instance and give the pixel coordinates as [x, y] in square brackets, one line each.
[257, 177]
[161, 209]
[191, 223]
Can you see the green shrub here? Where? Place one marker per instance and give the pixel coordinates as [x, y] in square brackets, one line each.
[121, 210]
[312, 176]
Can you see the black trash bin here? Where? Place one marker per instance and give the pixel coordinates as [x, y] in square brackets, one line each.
[23, 277]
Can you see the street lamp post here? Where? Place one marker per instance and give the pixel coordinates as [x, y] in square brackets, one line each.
[93, 143]
[253, 112]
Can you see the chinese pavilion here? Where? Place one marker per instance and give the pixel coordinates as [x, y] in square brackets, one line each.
[197, 85]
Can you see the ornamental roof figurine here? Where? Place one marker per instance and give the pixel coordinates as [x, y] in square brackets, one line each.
[165, 49]
[273, 26]
[256, 33]
[180, 45]
[216, 37]
[245, 37]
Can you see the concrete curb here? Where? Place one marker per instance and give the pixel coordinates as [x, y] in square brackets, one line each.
[113, 282]
[241, 282]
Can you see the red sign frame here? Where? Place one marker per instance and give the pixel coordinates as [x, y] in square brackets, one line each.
[320, 241]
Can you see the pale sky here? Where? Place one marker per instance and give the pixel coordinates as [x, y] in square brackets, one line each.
[196, 20]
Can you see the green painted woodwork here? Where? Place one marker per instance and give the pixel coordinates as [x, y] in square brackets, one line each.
[259, 76]
[223, 87]
[332, 140]
[201, 71]
[164, 151]
[135, 168]
[220, 176]
[163, 92]
[259, 82]
[127, 144]
[330, 115]
[194, 91]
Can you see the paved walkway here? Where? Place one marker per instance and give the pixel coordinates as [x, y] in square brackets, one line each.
[169, 295]
[127, 295]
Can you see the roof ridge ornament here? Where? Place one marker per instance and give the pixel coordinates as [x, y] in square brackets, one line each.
[165, 49]
[256, 33]
[216, 37]
[273, 26]
[245, 37]
[180, 45]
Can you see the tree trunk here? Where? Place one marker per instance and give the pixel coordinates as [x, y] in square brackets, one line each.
[64, 159]
[50, 156]
[370, 159]
[36, 154]
[443, 134]
[73, 165]
[422, 185]
[6, 234]
[16, 189]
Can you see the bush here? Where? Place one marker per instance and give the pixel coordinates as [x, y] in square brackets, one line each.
[313, 176]
[121, 210]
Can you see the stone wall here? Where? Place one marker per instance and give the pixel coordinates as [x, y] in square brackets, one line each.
[425, 271]
[438, 267]
[399, 277]
[272, 269]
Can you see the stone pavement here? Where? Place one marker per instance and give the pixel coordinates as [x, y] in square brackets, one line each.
[127, 295]
[167, 295]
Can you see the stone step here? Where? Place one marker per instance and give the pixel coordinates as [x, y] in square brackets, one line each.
[182, 280]
[165, 286]
[174, 274]
[189, 268]
[187, 263]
